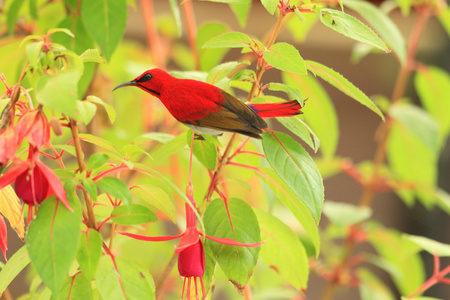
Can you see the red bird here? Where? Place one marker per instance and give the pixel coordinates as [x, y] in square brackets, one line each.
[206, 108]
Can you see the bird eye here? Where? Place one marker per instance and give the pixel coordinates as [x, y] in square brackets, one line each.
[145, 78]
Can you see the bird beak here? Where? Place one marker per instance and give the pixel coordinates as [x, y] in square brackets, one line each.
[129, 83]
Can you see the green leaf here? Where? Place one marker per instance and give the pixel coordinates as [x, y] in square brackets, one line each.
[134, 214]
[109, 109]
[318, 112]
[345, 214]
[177, 16]
[371, 287]
[228, 40]
[90, 187]
[62, 30]
[228, 1]
[34, 53]
[432, 85]
[58, 92]
[417, 122]
[105, 21]
[52, 241]
[405, 6]
[298, 127]
[285, 57]
[12, 14]
[128, 281]
[240, 225]
[96, 160]
[115, 188]
[211, 57]
[169, 148]
[204, 150]
[221, 71]
[298, 29]
[294, 165]
[15, 264]
[431, 246]
[422, 172]
[444, 18]
[270, 5]
[156, 197]
[157, 136]
[82, 39]
[76, 288]
[92, 55]
[132, 150]
[86, 111]
[293, 203]
[103, 144]
[89, 253]
[342, 84]
[382, 24]
[292, 92]
[351, 27]
[241, 11]
[283, 251]
[402, 258]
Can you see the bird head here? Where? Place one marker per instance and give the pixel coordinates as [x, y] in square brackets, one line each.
[150, 81]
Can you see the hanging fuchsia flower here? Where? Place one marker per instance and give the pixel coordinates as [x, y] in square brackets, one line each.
[34, 181]
[191, 257]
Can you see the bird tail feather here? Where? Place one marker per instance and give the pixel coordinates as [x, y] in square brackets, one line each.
[280, 109]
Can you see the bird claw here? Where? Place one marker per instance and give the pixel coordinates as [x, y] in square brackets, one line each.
[198, 137]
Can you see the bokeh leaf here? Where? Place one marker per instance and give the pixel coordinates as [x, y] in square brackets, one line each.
[105, 21]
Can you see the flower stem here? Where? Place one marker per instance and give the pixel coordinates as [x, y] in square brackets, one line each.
[92, 223]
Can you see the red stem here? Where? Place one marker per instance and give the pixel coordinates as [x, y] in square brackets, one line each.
[152, 36]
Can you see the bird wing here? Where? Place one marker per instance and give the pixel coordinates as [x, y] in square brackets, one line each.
[235, 116]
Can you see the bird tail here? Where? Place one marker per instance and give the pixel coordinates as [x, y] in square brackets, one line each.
[280, 109]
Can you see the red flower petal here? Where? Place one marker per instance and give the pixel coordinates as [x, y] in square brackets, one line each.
[13, 172]
[32, 187]
[191, 261]
[54, 183]
[3, 237]
[8, 145]
[190, 238]
[150, 238]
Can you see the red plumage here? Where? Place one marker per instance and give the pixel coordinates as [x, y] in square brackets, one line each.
[208, 109]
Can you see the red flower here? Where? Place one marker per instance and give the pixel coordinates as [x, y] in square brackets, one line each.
[34, 182]
[191, 257]
[8, 145]
[34, 127]
[191, 261]
[3, 237]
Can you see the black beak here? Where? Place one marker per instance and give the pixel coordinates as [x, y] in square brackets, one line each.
[129, 83]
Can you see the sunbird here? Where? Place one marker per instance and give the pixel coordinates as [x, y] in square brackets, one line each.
[207, 109]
